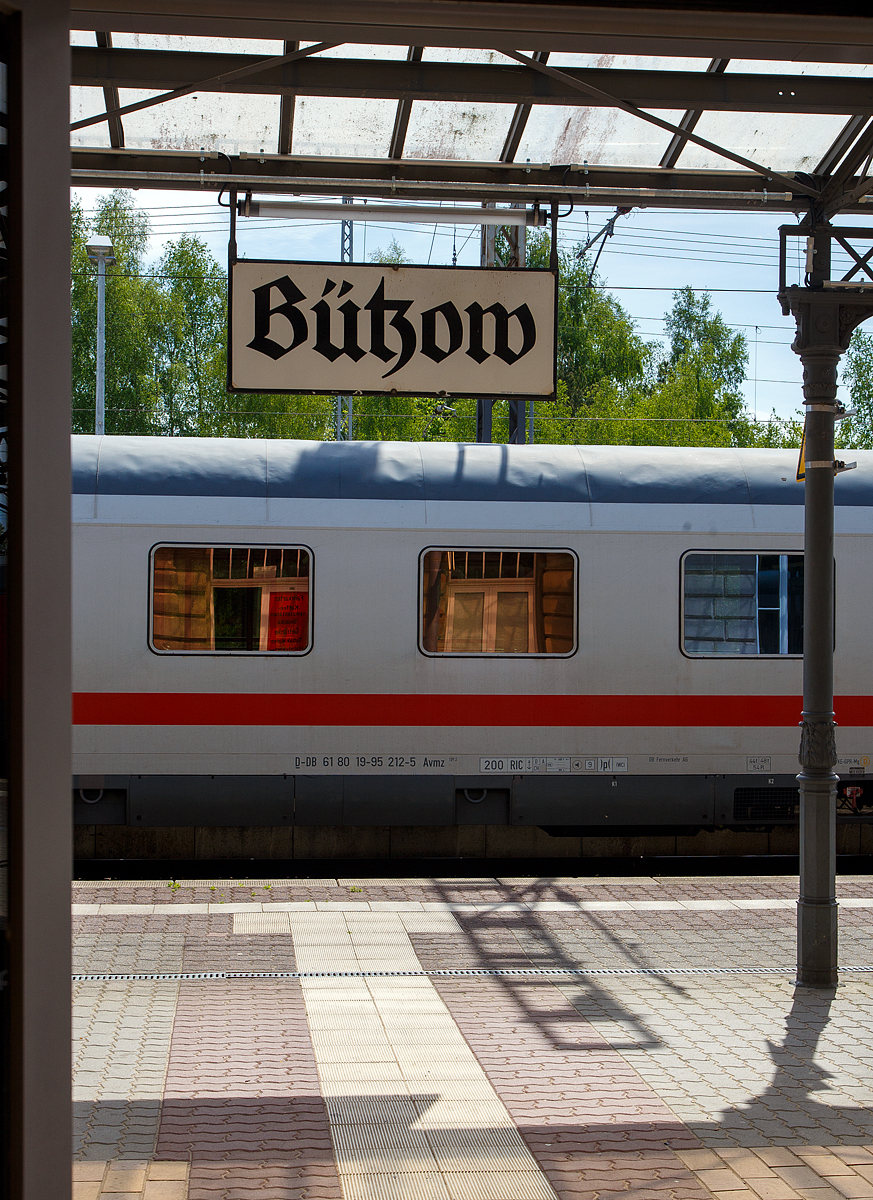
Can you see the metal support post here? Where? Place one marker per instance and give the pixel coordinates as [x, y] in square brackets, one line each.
[817, 906]
[484, 413]
[100, 252]
[825, 322]
[485, 408]
[517, 422]
[347, 255]
[516, 236]
[100, 390]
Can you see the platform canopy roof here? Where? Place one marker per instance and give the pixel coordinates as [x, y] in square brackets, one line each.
[704, 106]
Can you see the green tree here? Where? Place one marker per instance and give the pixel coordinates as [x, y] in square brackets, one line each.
[392, 255]
[856, 432]
[131, 300]
[710, 358]
[597, 341]
[190, 338]
[166, 341]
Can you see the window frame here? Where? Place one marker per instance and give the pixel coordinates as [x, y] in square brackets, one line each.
[225, 545]
[503, 655]
[757, 657]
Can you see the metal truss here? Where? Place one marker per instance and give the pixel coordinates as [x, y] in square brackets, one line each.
[839, 183]
[713, 89]
[431, 180]
[840, 31]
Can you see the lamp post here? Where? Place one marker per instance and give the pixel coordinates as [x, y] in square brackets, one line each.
[101, 252]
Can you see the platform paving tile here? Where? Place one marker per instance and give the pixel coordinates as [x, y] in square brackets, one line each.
[121, 1038]
[242, 1099]
[126, 952]
[115, 1179]
[610, 1085]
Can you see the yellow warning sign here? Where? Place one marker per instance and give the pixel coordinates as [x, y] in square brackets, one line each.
[801, 465]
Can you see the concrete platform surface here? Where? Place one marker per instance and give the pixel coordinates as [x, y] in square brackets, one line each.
[480, 1039]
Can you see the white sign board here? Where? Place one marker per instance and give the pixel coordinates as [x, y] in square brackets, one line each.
[329, 327]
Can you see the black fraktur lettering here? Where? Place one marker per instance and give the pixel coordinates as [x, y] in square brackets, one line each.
[285, 320]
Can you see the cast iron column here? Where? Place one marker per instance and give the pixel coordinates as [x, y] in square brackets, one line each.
[825, 321]
[817, 905]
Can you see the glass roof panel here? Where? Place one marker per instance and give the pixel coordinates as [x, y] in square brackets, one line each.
[627, 62]
[441, 129]
[215, 45]
[761, 66]
[783, 141]
[217, 120]
[356, 50]
[445, 129]
[343, 127]
[600, 136]
[87, 102]
[451, 54]
[459, 131]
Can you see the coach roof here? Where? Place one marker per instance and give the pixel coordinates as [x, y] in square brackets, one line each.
[151, 466]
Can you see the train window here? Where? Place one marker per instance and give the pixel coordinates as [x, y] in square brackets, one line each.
[231, 599]
[498, 602]
[742, 604]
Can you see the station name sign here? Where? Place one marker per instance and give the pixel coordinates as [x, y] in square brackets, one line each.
[454, 331]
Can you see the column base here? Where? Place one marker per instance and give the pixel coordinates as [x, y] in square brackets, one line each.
[817, 944]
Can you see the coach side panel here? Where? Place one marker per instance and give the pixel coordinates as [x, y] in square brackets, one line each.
[566, 735]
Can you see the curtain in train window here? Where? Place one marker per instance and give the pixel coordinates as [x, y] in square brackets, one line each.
[743, 604]
[231, 599]
[498, 602]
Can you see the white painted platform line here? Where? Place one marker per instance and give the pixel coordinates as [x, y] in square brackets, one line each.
[412, 1113]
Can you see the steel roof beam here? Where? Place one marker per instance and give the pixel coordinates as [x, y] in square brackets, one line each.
[404, 109]
[286, 111]
[689, 120]
[519, 121]
[769, 29]
[110, 99]
[844, 175]
[840, 145]
[417, 179]
[473, 83]
[217, 83]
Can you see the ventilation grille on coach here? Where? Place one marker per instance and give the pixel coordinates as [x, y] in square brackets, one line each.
[766, 803]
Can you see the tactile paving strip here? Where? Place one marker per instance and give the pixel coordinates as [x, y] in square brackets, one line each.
[545, 972]
[251, 883]
[127, 884]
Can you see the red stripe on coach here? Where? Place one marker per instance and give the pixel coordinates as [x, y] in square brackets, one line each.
[231, 708]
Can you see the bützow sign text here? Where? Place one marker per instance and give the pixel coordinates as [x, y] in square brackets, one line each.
[329, 327]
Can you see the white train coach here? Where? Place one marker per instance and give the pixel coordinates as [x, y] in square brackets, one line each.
[583, 639]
